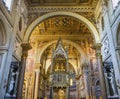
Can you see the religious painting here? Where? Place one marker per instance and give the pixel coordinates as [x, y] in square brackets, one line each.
[30, 61]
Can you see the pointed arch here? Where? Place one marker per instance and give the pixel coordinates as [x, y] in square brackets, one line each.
[82, 53]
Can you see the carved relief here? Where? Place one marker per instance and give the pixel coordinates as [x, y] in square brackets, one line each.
[82, 87]
[106, 46]
[17, 49]
[33, 16]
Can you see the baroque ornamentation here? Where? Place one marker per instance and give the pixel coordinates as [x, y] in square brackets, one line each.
[25, 48]
[13, 78]
[110, 78]
[106, 46]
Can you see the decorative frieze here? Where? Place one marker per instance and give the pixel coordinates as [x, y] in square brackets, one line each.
[106, 46]
[56, 8]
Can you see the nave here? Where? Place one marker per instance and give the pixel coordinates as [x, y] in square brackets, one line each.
[59, 49]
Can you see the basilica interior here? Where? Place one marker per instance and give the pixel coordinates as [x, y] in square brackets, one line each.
[59, 49]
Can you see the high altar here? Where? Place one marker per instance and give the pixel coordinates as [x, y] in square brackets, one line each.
[59, 75]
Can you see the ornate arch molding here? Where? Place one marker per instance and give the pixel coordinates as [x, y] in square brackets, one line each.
[90, 26]
[2, 33]
[82, 53]
[96, 81]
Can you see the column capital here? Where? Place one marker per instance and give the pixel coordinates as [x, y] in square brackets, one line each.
[37, 66]
[85, 65]
[37, 70]
[77, 77]
[97, 48]
[25, 48]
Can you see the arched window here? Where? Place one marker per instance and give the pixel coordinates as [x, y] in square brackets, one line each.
[8, 4]
[115, 3]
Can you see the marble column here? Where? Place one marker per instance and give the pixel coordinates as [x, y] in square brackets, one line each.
[85, 70]
[25, 48]
[77, 88]
[37, 73]
[97, 48]
[51, 92]
[68, 92]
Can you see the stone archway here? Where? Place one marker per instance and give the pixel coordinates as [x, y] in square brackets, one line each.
[90, 26]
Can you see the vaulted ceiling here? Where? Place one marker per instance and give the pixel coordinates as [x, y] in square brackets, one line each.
[61, 26]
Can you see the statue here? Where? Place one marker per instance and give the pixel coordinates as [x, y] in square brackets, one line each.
[106, 46]
[10, 90]
[82, 87]
[62, 68]
[118, 83]
[61, 94]
[57, 67]
[111, 82]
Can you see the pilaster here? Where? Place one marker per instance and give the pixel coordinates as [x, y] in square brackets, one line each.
[97, 48]
[86, 79]
[37, 73]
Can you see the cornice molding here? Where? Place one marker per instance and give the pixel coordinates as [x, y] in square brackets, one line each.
[61, 8]
[51, 37]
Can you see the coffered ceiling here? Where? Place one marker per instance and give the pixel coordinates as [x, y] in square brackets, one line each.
[64, 5]
[61, 26]
[59, 2]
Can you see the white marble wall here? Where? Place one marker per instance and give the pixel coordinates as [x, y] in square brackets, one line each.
[11, 50]
[108, 34]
